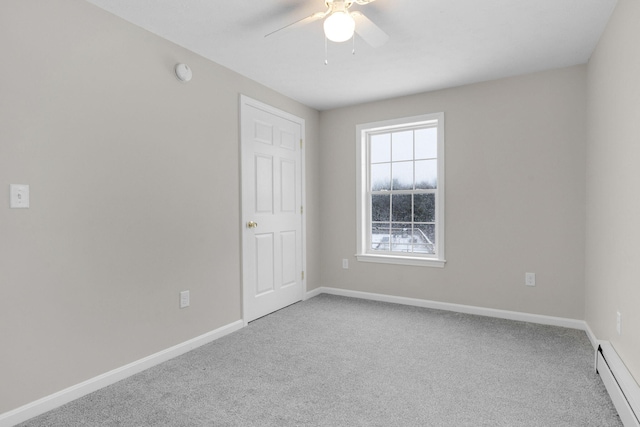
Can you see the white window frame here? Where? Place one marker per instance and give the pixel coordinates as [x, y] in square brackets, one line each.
[363, 208]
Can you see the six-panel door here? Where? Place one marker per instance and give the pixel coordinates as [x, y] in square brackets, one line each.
[271, 210]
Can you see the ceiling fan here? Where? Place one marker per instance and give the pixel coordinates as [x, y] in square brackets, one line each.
[341, 23]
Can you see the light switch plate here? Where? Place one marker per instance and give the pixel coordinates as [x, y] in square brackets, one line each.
[19, 196]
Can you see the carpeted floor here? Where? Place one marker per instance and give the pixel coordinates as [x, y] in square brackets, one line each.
[335, 361]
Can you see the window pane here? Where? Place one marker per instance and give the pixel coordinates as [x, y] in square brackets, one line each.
[381, 148]
[427, 143]
[401, 207]
[401, 237]
[381, 177]
[402, 143]
[380, 207]
[380, 237]
[424, 207]
[402, 175]
[425, 239]
[426, 174]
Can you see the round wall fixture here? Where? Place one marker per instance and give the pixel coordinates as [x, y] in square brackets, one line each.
[183, 72]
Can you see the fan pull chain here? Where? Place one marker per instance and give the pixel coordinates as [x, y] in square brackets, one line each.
[326, 48]
[326, 60]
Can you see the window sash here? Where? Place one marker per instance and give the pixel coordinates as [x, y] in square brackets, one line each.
[414, 225]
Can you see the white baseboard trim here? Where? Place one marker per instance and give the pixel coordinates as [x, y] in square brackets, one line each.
[622, 388]
[591, 336]
[459, 308]
[313, 293]
[67, 395]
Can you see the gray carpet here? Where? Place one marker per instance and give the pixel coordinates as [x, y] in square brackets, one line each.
[335, 361]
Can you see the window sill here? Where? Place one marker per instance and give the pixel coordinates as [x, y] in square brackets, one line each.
[393, 259]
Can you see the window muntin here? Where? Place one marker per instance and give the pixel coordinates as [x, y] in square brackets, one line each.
[401, 203]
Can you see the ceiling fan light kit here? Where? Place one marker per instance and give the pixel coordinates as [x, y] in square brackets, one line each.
[340, 23]
[339, 27]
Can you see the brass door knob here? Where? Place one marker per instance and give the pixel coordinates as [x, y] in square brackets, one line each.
[252, 224]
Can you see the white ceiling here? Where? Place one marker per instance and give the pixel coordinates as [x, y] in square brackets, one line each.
[433, 44]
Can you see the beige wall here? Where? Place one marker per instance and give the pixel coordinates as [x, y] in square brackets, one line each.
[515, 195]
[134, 182]
[613, 185]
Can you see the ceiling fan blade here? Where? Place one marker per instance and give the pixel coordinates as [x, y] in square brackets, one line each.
[364, 1]
[370, 32]
[299, 23]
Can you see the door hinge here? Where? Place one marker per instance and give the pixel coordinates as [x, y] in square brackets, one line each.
[301, 210]
[300, 142]
[302, 275]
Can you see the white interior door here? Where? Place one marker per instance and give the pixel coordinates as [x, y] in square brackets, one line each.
[272, 220]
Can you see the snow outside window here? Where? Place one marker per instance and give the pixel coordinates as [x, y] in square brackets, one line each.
[401, 191]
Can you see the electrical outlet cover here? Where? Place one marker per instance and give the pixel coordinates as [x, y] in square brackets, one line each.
[184, 299]
[530, 279]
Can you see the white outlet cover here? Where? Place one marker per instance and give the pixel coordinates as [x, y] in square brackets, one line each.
[530, 279]
[19, 196]
[184, 299]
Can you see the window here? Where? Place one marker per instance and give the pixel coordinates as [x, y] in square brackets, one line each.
[401, 191]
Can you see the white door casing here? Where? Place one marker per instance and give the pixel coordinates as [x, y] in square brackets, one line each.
[272, 208]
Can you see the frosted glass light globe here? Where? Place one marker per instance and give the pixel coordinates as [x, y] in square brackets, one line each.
[339, 27]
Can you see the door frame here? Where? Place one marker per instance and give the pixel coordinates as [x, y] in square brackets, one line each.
[246, 101]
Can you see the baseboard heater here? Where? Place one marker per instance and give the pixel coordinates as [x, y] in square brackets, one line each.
[623, 389]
